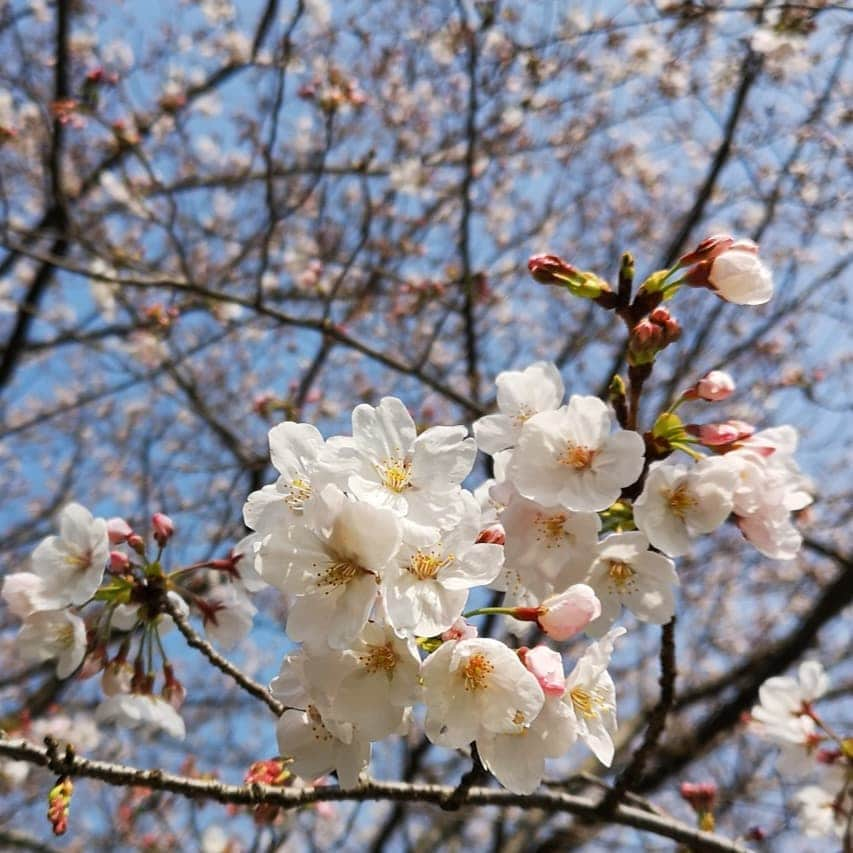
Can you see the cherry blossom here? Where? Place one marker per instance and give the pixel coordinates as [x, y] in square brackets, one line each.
[53, 634]
[141, 710]
[678, 502]
[393, 467]
[477, 687]
[318, 746]
[427, 584]
[336, 569]
[72, 564]
[570, 457]
[627, 573]
[521, 394]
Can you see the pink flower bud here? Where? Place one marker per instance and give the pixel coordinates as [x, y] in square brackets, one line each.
[564, 615]
[163, 528]
[547, 667]
[494, 534]
[118, 530]
[137, 543]
[551, 269]
[707, 250]
[460, 630]
[119, 561]
[714, 386]
[701, 795]
[670, 327]
[718, 435]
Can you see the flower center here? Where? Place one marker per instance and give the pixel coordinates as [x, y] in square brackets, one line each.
[577, 456]
[65, 636]
[587, 703]
[476, 672]
[620, 573]
[396, 474]
[341, 573]
[552, 527]
[79, 562]
[379, 659]
[298, 494]
[680, 501]
[425, 566]
[524, 414]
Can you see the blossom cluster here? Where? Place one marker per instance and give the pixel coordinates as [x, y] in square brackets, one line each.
[786, 716]
[378, 545]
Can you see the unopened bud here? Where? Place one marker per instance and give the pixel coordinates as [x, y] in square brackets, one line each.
[701, 795]
[564, 615]
[163, 528]
[137, 543]
[670, 327]
[494, 534]
[551, 269]
[58, 805]
[118, 530]
[714, 386]
[546, 665]
[719, 435]
[119, 561]
[707, 250]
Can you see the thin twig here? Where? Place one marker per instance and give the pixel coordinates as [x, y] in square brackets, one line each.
[248, 684]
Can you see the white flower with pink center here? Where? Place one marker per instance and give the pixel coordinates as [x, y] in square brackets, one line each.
[414, 476]
[335, 570]
[53, 635]
[521, 394]
[627, 573]
[679, 502]
[72, 564]
[477, 687]
[427, 584]
[570, 457]
[318, 746]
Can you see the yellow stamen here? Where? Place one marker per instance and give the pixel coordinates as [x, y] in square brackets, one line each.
[578, 457]
[425, 566]
[680, 501]
[379, 659]
[396, 474]
[300, 492]
[341, 573]
[476, 672]
[620, 573]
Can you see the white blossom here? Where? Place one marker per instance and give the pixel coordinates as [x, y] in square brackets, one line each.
[318, 747]
[336, 569]
[679, 502]
[570, 457]
[476, 687]
[141, 710]
[591, 697]
[227, 615]
[73, 563]
[627, 573]
[521, 394]
[416, 476]
[427, 584]
[53, 634]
